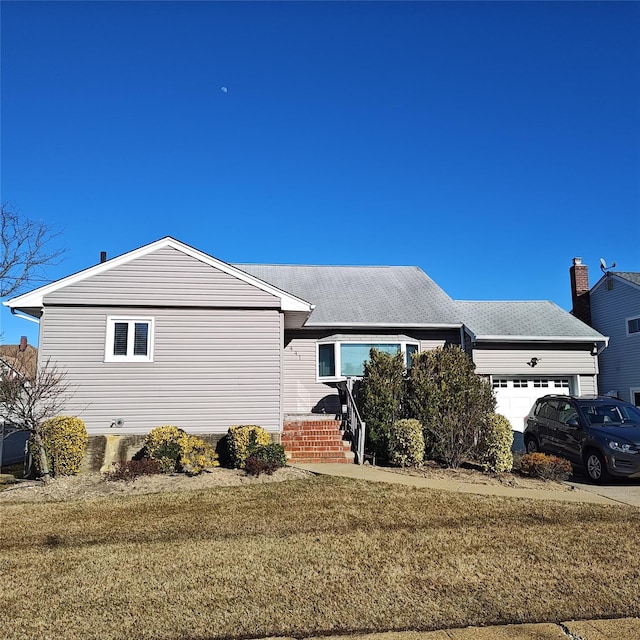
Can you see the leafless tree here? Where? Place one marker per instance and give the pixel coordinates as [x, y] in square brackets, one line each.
[27, 401]
[25, 249]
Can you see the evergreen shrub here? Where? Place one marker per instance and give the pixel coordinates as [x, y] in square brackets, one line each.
[165, 444]
[494, 448]
[541, 465]
[243, 440]
[65, 442]
[406, 443]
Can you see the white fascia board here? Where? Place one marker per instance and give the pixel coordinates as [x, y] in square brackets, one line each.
[34, 298]
[615, 276]
[503, 338]
[378, 325]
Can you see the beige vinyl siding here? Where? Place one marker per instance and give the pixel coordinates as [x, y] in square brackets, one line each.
[587, 385]
[507, 361]
[211, 368]
[164, 278]
[304, 394]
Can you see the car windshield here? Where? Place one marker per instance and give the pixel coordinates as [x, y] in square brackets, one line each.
[609, 414]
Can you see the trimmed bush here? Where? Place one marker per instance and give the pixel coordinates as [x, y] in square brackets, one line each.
[494, 448]
[197, 455]
[243, 440]
[266, 459]
[165, 444]
[541, 465]
[406, 443]
[65, 442]
[129, 470]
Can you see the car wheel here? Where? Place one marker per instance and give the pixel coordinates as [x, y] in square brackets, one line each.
[531, 445]
[596, 466]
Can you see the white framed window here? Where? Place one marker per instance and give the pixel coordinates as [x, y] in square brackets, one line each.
[635, 396]
[633, 326]
[129, 339]
[339, 360]
[520, 383]
[540, 383]
[499, 383]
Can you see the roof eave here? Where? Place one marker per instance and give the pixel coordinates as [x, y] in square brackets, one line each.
[504, 338]
[389, 325]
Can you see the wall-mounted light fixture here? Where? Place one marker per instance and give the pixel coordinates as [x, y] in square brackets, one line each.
[594, 350]
[534, 361]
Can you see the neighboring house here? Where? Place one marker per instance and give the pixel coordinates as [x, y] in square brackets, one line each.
[19, 359]
[166, 334]
[612, 307]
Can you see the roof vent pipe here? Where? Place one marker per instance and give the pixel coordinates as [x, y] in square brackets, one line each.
[103, 256]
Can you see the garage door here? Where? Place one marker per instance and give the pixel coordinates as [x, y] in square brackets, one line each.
[515, 396]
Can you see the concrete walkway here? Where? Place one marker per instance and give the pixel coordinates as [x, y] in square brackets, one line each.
[379, 474]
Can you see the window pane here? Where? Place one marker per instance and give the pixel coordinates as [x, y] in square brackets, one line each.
[634, 325]
[141, 339]
[411, 349]
[353, 356]
[326, 360]
[120, 330]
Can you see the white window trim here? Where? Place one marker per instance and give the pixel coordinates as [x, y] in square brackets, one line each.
[130, 320]
[626, 326]
[337, 357]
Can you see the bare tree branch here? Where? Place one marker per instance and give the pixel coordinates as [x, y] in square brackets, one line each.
[24, 250]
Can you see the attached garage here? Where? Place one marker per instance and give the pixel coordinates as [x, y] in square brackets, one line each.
[515, 396]
[529, 350]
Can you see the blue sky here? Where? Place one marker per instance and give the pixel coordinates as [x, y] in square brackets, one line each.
[488, 143]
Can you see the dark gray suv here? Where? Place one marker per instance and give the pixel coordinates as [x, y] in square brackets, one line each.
[601, 434]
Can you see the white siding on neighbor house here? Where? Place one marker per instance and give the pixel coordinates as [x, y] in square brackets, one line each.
[211, 368]
[304, 394]
[164, 278]
[620, 361]
[509, 361]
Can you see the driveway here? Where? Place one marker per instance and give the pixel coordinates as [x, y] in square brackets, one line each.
[621, 490]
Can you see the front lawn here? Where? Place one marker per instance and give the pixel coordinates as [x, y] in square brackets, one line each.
[309, 557]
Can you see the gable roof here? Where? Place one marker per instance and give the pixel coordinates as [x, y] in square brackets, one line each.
[629, 277]
[363, 296]
[523, 321]
[22, 361]
[32, 302]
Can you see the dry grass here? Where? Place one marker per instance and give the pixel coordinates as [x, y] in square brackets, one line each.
[309, 557]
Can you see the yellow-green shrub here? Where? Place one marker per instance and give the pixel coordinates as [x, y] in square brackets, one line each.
[406, 443]
[242, 440]
[65, 442]
[494, 448]
[197, 455]
[165, 444]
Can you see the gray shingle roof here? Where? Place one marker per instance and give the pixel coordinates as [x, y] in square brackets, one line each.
[360, 296]
[631, 276]
[537, 319]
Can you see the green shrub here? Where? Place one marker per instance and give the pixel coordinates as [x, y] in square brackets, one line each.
[451, 401]
[273, 453]
[197, 455]
[406, 443]
[380, 398]
[242, 440]
[165, 444]
[541, 465]
[65, 441]
[494, 448]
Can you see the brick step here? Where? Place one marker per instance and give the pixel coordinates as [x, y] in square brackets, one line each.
[318, 449]
[312, 432]
[306, 426]
[296, 437]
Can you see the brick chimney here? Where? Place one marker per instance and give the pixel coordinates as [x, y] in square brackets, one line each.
[23, 343]
[579, 276]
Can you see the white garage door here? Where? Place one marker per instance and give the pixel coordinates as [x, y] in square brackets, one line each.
[515, 396]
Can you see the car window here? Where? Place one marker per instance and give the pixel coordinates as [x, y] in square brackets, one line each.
[566, 411]
[548, 410]
[629, 412]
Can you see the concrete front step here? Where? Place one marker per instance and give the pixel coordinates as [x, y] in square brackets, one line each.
[315, 441]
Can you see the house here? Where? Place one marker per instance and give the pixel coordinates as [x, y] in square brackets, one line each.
[19, 359]
[166, 334]
[612, 307]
